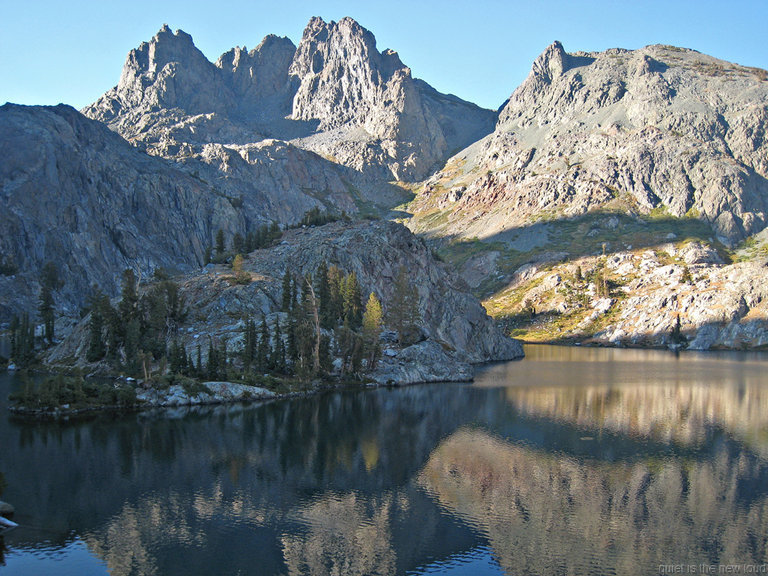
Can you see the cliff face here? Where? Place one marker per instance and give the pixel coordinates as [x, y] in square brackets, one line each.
[335, 93]
[77, 194]
[658, 129]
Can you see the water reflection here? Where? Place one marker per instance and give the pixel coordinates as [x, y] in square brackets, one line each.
[637, 460]
[544, 512]
[647, 394]
[343, 534]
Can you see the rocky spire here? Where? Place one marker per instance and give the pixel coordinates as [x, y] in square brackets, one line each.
[342, 76]
[550, 64]
[168, 71]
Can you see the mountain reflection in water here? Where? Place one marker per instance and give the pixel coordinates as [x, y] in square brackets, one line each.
[572, 461]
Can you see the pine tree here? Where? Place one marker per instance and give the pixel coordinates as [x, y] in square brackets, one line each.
[249, 347]
[128, 307]
[286, 303]
[323, 292]
[96, 346]
[292, 350]
[220, 249]
[325, 357]
[404, 315]
[45, 308]
[238, 243]
[14, 328]
[154, 316]
[132, 351]
[22, 341]
[336, 288]
[372, 330]
[278, 360]
[294, 294]
[213, 361]
[353, 301]
[262, 350]
[48, 283]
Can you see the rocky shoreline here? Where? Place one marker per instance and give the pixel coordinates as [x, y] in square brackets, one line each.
[214, 393]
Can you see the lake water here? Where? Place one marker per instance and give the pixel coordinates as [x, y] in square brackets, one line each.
[573, 461]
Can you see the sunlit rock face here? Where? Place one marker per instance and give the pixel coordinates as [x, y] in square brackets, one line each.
[660, 128]
[542, 512]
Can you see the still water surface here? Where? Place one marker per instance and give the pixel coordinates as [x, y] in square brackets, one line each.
[573, 461]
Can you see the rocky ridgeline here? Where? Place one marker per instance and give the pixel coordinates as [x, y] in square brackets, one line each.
[335, 93]
[455, 329]
[660, 128]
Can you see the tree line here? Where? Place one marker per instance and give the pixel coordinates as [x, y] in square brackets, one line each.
[323, 316]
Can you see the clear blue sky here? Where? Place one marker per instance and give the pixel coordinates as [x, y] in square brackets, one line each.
[72, 51]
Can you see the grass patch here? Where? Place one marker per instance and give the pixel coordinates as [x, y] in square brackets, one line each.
[61, 392]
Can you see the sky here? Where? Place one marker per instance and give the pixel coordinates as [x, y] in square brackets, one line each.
[72, 51]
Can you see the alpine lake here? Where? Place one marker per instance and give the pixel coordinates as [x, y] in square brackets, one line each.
[571, 461]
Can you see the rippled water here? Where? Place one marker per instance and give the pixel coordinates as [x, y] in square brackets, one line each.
[573, 461]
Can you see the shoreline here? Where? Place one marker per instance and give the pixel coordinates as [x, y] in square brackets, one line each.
[175, 398]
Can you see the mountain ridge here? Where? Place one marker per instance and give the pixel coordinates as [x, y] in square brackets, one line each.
[594, 150]
[335, 81]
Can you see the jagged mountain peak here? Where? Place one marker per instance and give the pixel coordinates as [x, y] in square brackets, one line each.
[334, 94]
[164, 48]
[550, 63]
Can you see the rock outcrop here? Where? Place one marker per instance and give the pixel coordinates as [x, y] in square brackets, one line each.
[680, 296]
[455, 329]
[335, 93]
[659, 129]
[210, 393]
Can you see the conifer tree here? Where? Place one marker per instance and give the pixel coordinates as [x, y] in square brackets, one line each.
[45, 308]
[404, 315]
[220, 248]
[49, 282]
[353, 304]
[323, 293]
[371, 330]
[249, 348]
[278, 360]
[336, 287]
[213, 361]
[96, 345]
[129, 298]
[132, 351]
[262, 350]
[22, 340]
[292, 350]
[286, 302]
[238, 243]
